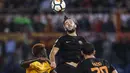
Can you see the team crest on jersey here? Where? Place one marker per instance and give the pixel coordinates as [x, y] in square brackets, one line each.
[80, 42]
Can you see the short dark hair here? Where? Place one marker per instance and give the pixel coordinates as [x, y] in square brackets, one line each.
[39, 49]
[88, 48]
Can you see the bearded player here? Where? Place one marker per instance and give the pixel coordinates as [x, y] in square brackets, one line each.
[68, 49]
[39, 63]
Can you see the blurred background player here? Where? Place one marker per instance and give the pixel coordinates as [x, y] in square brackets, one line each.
[91, 64]
[40, 63]
[68, 49]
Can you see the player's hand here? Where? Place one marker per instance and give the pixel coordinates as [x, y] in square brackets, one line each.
[53, 64]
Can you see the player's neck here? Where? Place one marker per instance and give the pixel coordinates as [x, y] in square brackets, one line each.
[72, 34]
[89, 56]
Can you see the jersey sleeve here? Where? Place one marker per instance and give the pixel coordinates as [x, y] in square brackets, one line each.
[57, 43]
[110, 67]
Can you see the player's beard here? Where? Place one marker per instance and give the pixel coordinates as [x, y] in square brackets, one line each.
[71, 31]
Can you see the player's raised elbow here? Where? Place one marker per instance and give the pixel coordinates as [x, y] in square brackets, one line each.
[24, 64]
[114, 71]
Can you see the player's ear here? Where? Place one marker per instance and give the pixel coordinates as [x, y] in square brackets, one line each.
[75, 26]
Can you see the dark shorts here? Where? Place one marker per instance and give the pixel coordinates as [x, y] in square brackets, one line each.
[65, 68]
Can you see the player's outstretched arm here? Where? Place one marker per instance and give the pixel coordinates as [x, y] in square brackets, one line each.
[25, 64]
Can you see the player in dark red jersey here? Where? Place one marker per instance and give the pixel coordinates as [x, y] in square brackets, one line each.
[92, 64]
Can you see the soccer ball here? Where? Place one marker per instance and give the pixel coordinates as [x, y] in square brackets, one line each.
[58, 5]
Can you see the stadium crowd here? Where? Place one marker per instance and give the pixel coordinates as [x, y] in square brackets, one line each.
[70, 3]
[53, 22]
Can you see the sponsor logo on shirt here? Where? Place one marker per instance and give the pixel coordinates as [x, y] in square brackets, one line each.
[80, 42]
[68, 41]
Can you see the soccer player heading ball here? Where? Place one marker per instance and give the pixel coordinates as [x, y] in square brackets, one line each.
[39, 63]
[68, 48]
